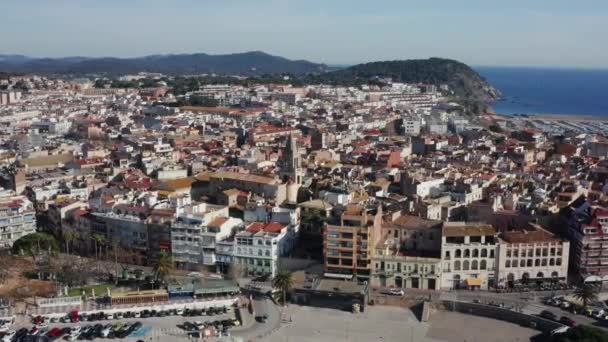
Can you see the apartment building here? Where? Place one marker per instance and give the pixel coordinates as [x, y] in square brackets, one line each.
[588, 234]
[195, 232]
[17, 218]
[348, 246]
[257, 249]
[531, 255]
[468, 255]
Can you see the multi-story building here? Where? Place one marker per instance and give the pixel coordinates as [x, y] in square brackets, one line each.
[257, 249]
[409, 254]
[196, 231]
[348, 247]
[468, 255]
[588, 234]
[531, 255]
[17, 218]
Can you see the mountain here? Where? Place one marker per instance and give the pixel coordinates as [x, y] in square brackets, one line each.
[248, 63]
[464, 81]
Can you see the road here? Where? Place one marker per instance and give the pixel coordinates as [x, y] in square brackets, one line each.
[262, 305]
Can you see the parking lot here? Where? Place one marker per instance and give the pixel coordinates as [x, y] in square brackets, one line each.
[169, 327]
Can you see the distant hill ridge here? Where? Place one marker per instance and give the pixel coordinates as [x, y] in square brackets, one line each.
[464, 81]
[247, 63]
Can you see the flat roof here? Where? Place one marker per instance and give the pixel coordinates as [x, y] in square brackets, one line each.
[467, 229]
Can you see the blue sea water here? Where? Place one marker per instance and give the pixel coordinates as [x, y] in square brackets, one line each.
[549, 91]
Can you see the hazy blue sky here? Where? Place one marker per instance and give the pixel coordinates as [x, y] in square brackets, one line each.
[478, 32]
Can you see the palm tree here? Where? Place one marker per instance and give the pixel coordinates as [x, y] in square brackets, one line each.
[69, 236]
[586, 293]
[283, 281]
[164, 265]
[99, 240]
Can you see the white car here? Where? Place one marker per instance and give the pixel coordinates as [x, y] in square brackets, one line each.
[106, 331]
[9, 336]
[109, 316]
[76, 330]
[179, 312]
[200, 325]
[73, 337]
[42, 325]
[564, 305]
[118, 315]
[137, 314]
[396, 292]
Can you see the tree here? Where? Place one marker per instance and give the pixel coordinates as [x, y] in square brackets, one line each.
[34, 244]
[586, 293]
[68, 237]
[283, 281]
[163, 266]
[99, 241]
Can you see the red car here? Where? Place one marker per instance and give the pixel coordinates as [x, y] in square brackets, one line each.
[567, 321]
[38, 320]
[74, 317]
[54, 332]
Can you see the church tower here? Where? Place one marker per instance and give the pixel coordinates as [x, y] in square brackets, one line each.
[291, 163]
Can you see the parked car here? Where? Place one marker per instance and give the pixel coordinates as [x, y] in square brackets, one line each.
[137, 314]
[8, 337]
[262, 318]
[548, 315]
[567, 321]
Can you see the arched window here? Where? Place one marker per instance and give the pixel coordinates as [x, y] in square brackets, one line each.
[267, 253]
[529, 263]
[507, 263]
[540, 275]
[551, 262]
[458, 253]
[457, 265]
[484, 253]
[474, 265]
[522, 263]
[554, 274]
[475, 253]
[467, 253]
[482, 265]
[465, 265]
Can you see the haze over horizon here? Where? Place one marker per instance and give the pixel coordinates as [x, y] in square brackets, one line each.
[480, 33]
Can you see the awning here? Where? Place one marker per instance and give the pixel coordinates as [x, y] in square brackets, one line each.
[473, 281]
[337, 275]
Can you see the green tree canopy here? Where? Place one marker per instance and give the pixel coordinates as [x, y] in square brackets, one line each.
[35, 243]
[283, 281]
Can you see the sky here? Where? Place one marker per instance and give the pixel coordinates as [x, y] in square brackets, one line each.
[549, 33]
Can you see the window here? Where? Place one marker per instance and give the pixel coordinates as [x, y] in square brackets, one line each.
[491, 253]
[537, 262]
[522, 263]
[529, 264]
[543, 262]
[458, 253]
[465, 265]
[508, 253]
[551, 262]
[267, 253]
[260, 242]
[259, 252]
[475, 253]
[482, 265]
[474, 265]
[467, 253]
[558, 262]
[516, 253]
[508, 263]
[552, 251]
[457, 265]
[447, 255]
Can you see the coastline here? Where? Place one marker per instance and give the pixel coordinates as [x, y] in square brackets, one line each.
[555, 117]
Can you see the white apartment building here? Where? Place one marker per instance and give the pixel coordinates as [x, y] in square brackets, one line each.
[258, 248]
[194, 235]
[468, 255]
[17, 218]
[411, 127]
[531, 256]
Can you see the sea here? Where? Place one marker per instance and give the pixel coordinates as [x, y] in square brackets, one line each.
[549, 91]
